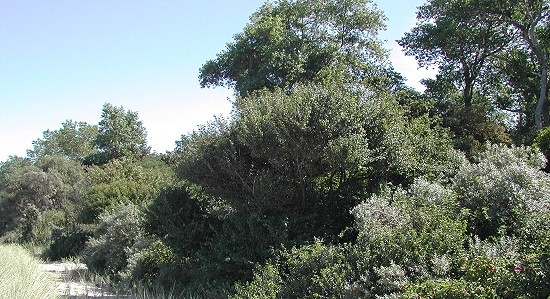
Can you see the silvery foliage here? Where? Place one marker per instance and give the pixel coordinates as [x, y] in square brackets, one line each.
[377, 217]
[119, 230]
[508, 183]
[441, 265]
[505, 248]
[393, 278]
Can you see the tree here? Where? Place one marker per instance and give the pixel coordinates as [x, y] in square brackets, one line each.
[121, 134]
[293, 41]
[29, 190]
[74, 140]
[457, 36]
[530, 20]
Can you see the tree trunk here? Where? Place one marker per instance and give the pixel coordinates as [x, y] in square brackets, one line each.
[542, 97]
[467, 94]
[543, 60]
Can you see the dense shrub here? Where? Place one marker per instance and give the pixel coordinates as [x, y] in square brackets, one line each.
[39, 196]
[181, 218]
[542, 141]
[287, 167]
[411, 227]
[489, 269]
[117, 233]
[125, 181]
[67, 243]
[473, 129]
[316, 270]
[504, 191]
[146, 261]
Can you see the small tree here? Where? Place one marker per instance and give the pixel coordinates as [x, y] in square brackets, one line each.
[74, 140]
[121, 134]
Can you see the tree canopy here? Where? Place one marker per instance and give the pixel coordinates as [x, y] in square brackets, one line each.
[121, 134]
[459, 37]
[291, 41]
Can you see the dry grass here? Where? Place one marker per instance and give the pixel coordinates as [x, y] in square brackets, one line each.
[21, 275]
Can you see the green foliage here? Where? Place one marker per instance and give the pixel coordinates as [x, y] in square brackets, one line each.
[416, 229]
[326, 153]
[473, 129]
[118, 231]
[67, 242]
[542, 141]
[125, 181]
[310, 271]
[32, 191]
[294, 41]
[239, 242]
[449, 288]
[460, 37]
[180, 217]
[74, 141]
[288, 167]
[266, 283]
[311, 153]
[488, 270]
[121, 135]
[146, 262]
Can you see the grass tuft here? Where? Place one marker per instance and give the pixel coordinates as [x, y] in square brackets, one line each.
[21, 276]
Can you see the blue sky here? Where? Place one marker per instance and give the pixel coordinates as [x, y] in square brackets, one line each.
[64, 59]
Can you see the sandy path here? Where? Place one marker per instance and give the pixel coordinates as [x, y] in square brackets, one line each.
[75, 283]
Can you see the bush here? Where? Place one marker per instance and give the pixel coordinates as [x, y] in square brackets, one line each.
[449, 289]
[123, 182]
[412, 228]
[146, 261]
[504, 191]
[311, 271]
[542, 141]
[118, 231]
[180, 217]
[314, 152]
[38, 197]
[67, 243]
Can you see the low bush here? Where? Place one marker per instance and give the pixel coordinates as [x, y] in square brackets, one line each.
[118, 231]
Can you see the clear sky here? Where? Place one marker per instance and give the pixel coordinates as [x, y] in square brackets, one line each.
[63, 59]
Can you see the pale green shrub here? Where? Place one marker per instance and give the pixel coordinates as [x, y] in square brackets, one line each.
[505, 191]
[118, 231]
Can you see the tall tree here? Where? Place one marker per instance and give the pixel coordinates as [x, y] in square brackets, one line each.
[457, 36]
[121, 134]
[292, 41]
[530, 20]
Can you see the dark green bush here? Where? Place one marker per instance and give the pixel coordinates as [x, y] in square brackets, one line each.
[67, 244]
[311, 271]
[542, 141]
